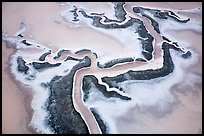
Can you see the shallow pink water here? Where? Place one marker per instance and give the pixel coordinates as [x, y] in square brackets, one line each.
[39, 19]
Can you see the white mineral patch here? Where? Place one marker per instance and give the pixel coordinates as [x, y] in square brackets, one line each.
[108, 45]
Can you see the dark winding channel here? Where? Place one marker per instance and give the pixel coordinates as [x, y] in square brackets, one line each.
[63, 117]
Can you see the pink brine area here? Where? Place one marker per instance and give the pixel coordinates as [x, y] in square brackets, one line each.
[171, 104]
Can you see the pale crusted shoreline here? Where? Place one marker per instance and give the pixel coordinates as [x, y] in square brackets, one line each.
[24, 113]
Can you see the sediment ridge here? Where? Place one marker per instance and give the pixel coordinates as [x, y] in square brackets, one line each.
[90, 81]
[64, 119]
[148, 74]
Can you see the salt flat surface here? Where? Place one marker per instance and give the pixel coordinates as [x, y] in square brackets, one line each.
[49, 26]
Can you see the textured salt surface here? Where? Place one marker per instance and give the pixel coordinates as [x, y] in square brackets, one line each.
[153, 97]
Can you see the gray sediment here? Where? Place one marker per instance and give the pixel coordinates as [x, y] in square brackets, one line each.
[90, 81]
[140, 60]
[59, 53]
[96, 22]
[119, 11]
[82, 51]
[187, 54]
[20, 35]
[159, 14]
[139, 28]
[72, 58]
[103, 127]
[178, 20]
[154, 23]
[164, 38]
[95, 54]
[74, 11]
[43, 56]
[114, 62]
[26, 43]
[147, 55]
[43, 65]
[97, 14]
[175, 43]
[63, 118]
[147, 44]
[21, 65]
[148, 74]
